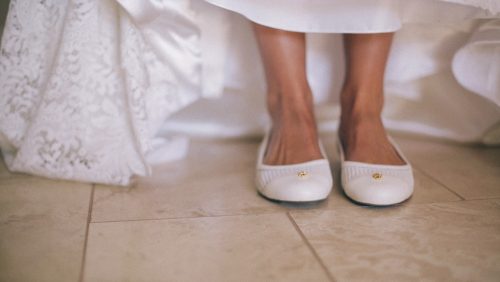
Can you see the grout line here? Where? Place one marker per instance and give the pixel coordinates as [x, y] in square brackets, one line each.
[255, 214]
[474, 200]
[85, 242]
[187, 217]
[273, 212]
[308, 244]
[440, 183]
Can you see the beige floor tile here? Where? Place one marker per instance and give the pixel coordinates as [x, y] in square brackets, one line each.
[42, 229]
[215, 179]
[457, 241]
[230, 248]
[472, 172]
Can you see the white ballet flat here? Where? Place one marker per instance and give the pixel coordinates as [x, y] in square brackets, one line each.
[302, 182]
[373, 184]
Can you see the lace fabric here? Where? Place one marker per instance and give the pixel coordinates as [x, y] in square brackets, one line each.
[83, 93]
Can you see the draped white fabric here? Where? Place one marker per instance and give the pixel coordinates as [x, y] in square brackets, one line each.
[481, 56]
[84, 93]
[88, 85]
[356, 16]
[423, 94]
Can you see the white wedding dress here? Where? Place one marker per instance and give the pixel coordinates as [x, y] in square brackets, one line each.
[88, 85]
[355, 16]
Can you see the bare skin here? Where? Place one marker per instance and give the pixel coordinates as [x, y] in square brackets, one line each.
[294, 137]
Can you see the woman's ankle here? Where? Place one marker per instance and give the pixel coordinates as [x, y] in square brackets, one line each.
[293, 139]
[292, 107]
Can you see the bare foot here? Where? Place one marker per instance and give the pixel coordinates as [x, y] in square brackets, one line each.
[363, 135]
[293, 136]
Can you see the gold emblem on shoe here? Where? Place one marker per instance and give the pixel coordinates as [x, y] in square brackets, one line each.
[302, 174]
[377, 176]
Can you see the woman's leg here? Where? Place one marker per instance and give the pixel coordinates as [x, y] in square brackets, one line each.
[290, 104]
[361, 130]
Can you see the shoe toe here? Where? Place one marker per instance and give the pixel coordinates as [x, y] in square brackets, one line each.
[292, 189]
[386, 191]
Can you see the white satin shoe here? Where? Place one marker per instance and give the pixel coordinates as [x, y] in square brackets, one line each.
[302, 182]
[373, 184]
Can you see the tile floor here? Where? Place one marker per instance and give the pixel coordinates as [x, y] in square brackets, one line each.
[201, 220]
